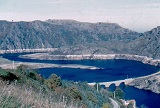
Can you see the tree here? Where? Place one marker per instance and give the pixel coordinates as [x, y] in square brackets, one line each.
[33, 74]
[119, 93]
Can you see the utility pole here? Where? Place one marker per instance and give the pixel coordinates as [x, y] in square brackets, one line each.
[63, 99]
[114, 94]
[13, 64]
[97, 87]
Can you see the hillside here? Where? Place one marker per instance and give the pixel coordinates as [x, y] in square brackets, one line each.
[148, 44]
[72, 37]
[25, 88]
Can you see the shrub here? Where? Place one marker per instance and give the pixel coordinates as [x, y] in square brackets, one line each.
[34, 75]
[7, 76]
[53, 81]
[74, 93]
[91, 97]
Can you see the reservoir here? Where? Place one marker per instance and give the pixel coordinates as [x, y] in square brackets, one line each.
[108, 70]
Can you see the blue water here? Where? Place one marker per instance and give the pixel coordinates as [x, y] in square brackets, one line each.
[111, 70]
[150, 99]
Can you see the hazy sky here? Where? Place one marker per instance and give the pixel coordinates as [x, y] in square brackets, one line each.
[137, 15]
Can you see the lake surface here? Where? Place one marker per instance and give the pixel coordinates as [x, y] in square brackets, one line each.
[110, 70]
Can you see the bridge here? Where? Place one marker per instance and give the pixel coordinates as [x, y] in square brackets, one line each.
[126, 81]
[117, 83]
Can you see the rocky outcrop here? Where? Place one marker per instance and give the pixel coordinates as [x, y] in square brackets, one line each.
[148, 83]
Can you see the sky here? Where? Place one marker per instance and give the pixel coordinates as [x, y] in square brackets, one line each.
[137, 15]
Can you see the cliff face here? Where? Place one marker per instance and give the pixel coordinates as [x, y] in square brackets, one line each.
[72, 37]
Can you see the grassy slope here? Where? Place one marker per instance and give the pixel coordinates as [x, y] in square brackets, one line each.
[28, 89]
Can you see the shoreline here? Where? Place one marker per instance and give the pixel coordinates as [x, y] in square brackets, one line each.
[43, 54]
[47, 56]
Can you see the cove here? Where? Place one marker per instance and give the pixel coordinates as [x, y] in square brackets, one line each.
[110, 70]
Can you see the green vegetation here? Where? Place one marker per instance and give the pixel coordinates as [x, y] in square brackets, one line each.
[7, 76]
[26, 89]
[119, 93]
[53, 82]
